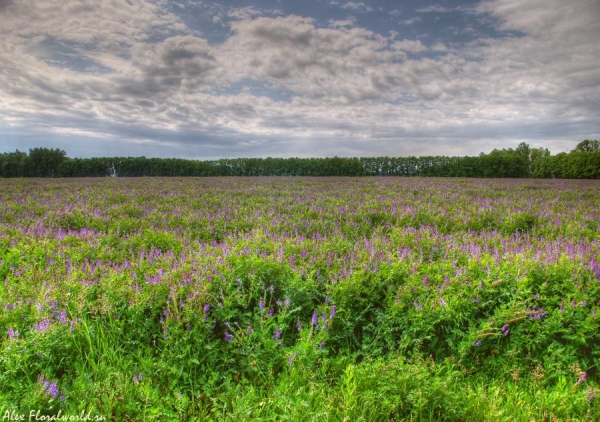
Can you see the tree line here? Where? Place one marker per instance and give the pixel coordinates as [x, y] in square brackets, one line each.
[583, 162]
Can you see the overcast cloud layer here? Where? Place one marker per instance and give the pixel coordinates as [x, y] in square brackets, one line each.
[200, 79]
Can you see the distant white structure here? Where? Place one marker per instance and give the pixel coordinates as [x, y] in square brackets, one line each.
[112, 172]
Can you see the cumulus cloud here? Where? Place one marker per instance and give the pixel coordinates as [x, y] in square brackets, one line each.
[134, 71]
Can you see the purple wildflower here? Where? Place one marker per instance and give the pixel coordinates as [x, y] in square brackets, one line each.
[50, 388]
[315, 319]
[250, 329]
[228, 337]
[62, 318]
[277, 334]
[43, 325]
[261, 305]
[590, 394]
[332, 311]
[476, 343]
[12, 334]
[137, 378]
[299, 325]
[442, 301]
[582, 378]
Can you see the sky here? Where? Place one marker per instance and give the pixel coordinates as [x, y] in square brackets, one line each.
[299, 78]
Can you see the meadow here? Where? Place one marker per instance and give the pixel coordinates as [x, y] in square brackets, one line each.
[300, 299]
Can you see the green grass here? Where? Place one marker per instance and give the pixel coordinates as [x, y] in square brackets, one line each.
[300, 299]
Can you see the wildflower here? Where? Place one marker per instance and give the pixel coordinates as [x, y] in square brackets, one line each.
[476, 343]
[250, 329]
[228, 337]
[290, 360]
[137, 378]
[418, 306]
[50, 388]
[582, 378]
[299, 325]
[590, 394]
[261, 305]
[315, 319]
[321, 345]
[43, 325]
[277, 334]
[442, 301]
[12, 334]
[63, 317]
[332, 312]
[287, 302]
[505, 329]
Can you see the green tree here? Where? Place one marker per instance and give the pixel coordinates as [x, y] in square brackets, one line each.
[588, 146]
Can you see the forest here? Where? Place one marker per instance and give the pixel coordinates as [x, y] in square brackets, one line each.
[583, 162]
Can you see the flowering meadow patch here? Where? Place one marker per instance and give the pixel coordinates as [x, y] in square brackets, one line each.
[301, 298]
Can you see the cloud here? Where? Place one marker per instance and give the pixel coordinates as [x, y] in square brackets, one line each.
[356, 6]
[436, 8]
[283, 85]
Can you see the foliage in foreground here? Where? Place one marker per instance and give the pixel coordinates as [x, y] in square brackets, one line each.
[304, 299]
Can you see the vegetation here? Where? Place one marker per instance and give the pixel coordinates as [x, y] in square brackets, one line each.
[335, 299]
[581, 163]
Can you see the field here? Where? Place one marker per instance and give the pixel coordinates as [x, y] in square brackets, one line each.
[300, 299]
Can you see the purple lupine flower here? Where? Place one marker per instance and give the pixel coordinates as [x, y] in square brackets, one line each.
[287, 302]
[476, 343]
[299, 325]
[332, 312]
[505, 330]
[582, 378]
[270, 313]
[290, 360]
[418, 306]
[228, 337]
[315, 319]
[593, 312]
[442, 301]
[261, 305]
[250, 329]
[278, 303]
[137, 378]
[321, 345]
